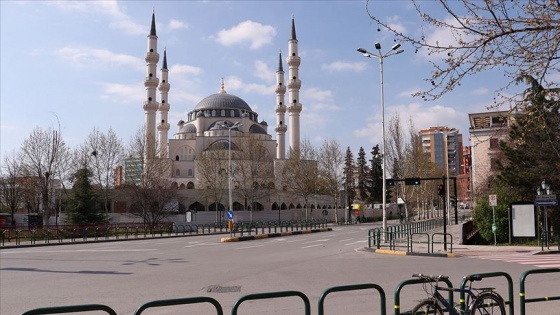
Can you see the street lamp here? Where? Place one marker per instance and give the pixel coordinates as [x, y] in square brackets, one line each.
[394, 51]
[446, 132]
[235, 125]
[545, 190]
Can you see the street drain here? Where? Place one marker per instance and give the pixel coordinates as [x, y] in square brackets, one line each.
[220, 289]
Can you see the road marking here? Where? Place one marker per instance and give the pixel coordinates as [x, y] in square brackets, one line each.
[346, 240]
[325, 240]
[200, 244]
[246, 247]
[357, 242]
[312, 246]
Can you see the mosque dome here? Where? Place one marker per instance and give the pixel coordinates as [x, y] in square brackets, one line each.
[222, 101]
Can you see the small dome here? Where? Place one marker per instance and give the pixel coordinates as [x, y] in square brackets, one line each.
[188, 128]
[264, 123]
[222, 101]
[257, 129]
[200, 114]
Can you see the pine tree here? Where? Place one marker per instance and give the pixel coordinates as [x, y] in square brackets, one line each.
[376, 175]
[349, 170]
[362, 174]
[85, 207]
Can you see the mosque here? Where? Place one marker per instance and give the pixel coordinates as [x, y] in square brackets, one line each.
[222, 120]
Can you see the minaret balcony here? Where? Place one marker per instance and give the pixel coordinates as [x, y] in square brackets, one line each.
[281, 129]
[295, 108]
[294, 84]
[280, 89]
[152, 57]
[280, 109]
[151, 82]
[163, 127]
[164, 87]
[150, 106]
[294, 61]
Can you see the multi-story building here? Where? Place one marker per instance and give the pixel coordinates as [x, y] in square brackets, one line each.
[486, 130]
[444, 146]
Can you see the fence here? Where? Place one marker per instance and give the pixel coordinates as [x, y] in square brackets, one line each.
[509, 300]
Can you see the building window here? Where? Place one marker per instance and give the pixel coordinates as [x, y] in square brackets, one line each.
[190, 172]
[163, 101]
[213, 113]
[493, 164]
[151, 75]
[162, 81]
[177, 172]
[223, 113]
[494, 143]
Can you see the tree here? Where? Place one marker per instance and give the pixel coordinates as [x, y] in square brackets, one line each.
[483, 215]
[300, 172]
[44, 155]
[12, 184]
[102, 153]
[516, 36]
[84, 206]
[254, 171]
[330, 168]
[362, 175]
[212, 169]
[376, 175]
[155, 197]
[349, 183]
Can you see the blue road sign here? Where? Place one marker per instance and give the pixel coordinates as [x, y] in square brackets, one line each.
[545, 203]
[230, 214]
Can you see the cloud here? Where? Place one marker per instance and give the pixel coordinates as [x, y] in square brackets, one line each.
[92, 57]
[122, 93]
[185, 69]
[343, 66]
[176, 24]
[262, 71]
[251, 32]
[317, 94]
[110, 8]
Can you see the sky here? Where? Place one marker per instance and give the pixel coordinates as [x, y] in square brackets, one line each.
[80, 65]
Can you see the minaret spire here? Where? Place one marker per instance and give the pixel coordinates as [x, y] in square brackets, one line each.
[280, 111]
[153, 28]
[163, 127]
[150, 104]
[294, 85]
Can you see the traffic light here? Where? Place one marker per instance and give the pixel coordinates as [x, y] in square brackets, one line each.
[412, 181]
[389, 182]
[441, 190]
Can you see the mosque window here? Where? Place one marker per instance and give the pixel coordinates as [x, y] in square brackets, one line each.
[293, 54]
[162, 81]
[223, 113]
[295, 101]
[190, 172]
[177, 172]
[280, 103]
[232, 113]
[176, 158]
[151, 75]
[163, 121]
[163, 101]
[149, 99]
[280, 83]
[213, 113]
[294, 77]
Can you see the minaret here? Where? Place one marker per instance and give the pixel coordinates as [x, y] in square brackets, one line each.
[163, 126]
[280, 112]
[151, 83]
[294, 84]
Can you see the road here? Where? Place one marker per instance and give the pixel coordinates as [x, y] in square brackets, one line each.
[124, 275]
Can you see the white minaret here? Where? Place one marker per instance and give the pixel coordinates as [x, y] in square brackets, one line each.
[280, 112]
[294, 84]
[163, 126]
[151, 83]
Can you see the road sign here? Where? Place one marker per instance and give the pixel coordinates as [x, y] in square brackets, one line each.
[325, 212]
[547, 203]
[545, 197]
[230, 214]
[493, 200]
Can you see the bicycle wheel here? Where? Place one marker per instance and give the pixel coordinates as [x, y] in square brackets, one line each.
[488, 303]
[427, 307]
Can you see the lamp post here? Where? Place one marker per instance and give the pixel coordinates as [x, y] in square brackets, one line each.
[446, 132]
[235, 125]
[379, 55]
[545, 190]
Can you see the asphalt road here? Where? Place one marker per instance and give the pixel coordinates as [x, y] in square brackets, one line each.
[124, 275]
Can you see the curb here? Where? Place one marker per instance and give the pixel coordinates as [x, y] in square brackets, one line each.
[271, 235]
[405, 253]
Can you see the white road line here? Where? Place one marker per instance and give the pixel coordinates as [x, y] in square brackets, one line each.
[346, 240]
[200, 244]
[357, 242]
[312, 246]
[250, 247]
[325, 240]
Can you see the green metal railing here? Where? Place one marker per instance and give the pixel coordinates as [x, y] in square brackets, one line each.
[273, 295]
[180, 301]
[523, 300]
[354, 287]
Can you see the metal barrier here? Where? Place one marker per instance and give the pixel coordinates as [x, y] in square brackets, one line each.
[509, 302]
[354, 287]
[411, 241]
[71, 309]
[444, 241]
[522, 296]
[181, 301]
[397, 306]
[273, 295]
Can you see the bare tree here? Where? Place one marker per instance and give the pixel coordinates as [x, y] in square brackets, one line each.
[331, 165]
[44, 155]
[102, 153]
[518, 37]
[147, 182]
[300, 172]
[253, 173]
[12, 185]
[212, 169]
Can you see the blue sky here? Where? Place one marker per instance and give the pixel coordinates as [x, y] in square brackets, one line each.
[81, 63]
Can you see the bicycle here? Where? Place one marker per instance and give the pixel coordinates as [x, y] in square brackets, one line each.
[482, 301]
